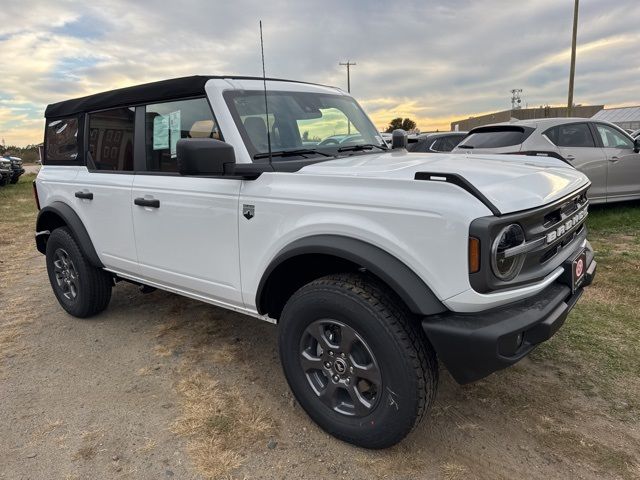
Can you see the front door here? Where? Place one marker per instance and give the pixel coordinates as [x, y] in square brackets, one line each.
[186, 228]
[623, 163]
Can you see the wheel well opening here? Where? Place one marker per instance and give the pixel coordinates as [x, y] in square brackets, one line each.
[47, 221]
[296, 272]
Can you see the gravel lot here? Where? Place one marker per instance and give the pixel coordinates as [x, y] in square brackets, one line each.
[159, 386]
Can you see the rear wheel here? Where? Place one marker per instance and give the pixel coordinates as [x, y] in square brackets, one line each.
[354, 360]
[81, 289]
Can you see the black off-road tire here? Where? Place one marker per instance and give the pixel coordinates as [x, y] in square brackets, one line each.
[407, 362]
[15, 179]
[4, 180]
[93, 290]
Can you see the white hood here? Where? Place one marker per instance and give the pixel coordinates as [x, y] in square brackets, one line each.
[510, 182]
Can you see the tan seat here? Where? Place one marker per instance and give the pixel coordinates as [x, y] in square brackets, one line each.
[204, 129]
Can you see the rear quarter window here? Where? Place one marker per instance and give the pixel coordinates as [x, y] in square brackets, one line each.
[61, 140]
[496, 137]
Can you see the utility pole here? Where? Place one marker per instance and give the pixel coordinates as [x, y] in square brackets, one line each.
[348, 64]
[572, 71]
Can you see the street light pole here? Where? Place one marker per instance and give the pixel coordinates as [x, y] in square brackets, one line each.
[348, 64]
[572, 70]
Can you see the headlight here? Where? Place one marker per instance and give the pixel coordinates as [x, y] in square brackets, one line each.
[505, 264]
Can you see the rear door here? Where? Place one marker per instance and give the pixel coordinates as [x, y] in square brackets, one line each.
[623, 163]
[102, 190]
[186, 228]
[576, 143]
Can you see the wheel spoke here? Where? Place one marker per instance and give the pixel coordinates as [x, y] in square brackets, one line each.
[58, 266]
[328, 394]
[319, 333]
[309, 362]
[360, 405]
[367, 372]
[347, 339]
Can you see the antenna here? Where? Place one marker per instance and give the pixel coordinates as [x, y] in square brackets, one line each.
[266, 105]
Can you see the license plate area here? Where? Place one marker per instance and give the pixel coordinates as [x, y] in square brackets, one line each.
[578, 270]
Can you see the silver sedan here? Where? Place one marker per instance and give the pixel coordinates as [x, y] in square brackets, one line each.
[604, 152]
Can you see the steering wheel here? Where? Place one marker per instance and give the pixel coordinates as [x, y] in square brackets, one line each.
[328, 141]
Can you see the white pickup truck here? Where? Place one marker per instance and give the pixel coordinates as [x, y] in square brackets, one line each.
[284, 203]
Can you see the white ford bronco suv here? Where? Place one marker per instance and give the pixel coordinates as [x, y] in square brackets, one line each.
[281, 201]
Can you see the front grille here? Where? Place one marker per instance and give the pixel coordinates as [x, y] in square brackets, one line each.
[552, 233]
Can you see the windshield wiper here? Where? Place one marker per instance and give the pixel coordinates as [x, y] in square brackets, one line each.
[291, 153]
[361, 146]
[466, 146]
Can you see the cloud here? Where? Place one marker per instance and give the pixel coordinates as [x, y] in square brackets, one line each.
[432, 61]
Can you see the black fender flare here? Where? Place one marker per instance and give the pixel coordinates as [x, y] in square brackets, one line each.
[73, 223]
[416, 294]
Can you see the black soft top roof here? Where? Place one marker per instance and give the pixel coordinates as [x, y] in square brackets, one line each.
[139, 94]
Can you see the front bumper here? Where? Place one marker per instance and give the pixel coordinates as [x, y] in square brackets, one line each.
[474, 345]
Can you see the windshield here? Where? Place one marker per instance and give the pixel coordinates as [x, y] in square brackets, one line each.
[301, 124]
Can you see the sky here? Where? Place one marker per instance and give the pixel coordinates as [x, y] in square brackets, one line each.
[433, 61]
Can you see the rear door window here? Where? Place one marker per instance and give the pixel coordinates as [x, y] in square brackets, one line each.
[571, 135]
[496, 137]
[61, 140]
[111, 139]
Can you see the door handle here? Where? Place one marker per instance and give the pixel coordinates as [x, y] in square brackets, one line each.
[84, 195]
[614, 159]
[570, 157]
[146, 202]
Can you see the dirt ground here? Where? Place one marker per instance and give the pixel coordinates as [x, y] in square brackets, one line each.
[160, 386]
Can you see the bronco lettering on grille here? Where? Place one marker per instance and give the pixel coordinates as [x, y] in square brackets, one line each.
[558, 232]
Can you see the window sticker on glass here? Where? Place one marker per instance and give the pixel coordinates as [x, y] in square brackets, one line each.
[160, 132]
[174, 127]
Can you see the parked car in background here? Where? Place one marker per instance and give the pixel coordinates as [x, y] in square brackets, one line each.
[6, 172]
[16, 168]
[386, 137]
[604, 152]
[436, 142]
[636, 134]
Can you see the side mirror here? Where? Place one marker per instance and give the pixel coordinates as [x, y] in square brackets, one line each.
[398, 139]
[204, 156]
[636, 145]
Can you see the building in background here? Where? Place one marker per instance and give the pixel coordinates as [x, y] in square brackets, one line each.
[585, 111]
[624, 117]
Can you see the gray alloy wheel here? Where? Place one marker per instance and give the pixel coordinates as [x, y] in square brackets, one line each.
[340, 367]
[65, 274]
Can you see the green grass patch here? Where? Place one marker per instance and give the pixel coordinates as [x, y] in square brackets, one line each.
[17, 205]
[622, 218]
[599, 342]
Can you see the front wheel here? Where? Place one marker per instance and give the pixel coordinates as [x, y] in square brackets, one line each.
[354, 360]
